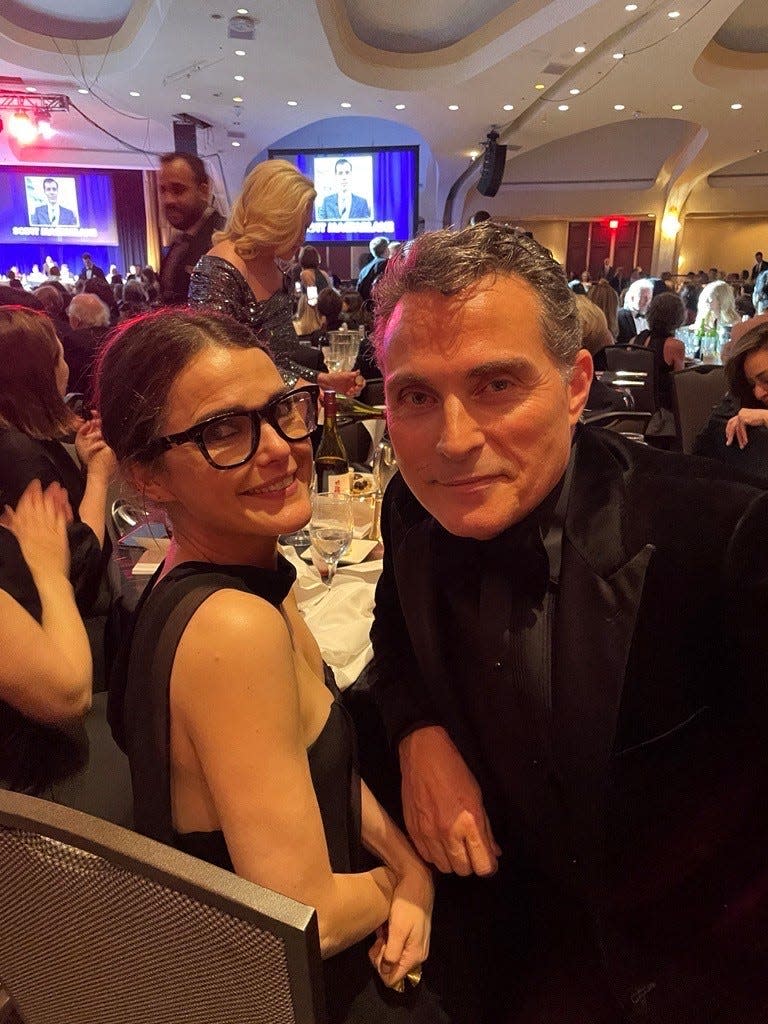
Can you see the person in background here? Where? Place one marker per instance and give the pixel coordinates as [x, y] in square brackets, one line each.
[89, 323]
[716, 311]
[569, 643]
[737, 431]
[99, 287]
[632, 316]
[758, 267]
[241, 753]
[134, 300]
[310, 274]
[760, 292]
[376, 265]
[90, 270]
[46, 668]
[606, 299]
[185, 200]
[54, 280]
[34, 425]
[240, 275]
[689, 296]
[595, 338]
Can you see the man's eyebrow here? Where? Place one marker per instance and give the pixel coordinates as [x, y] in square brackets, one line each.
[515, 365]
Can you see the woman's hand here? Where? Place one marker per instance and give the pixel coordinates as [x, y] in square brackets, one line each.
[348, 382]
[736, 427]
[39, 524]
[93, 451]
[402, 944]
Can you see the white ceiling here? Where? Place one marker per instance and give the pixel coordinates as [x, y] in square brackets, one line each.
[478, 55]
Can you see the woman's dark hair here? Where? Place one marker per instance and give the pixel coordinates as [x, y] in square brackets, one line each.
[752, 341]
[665, 314]
[309, 258]
[329, 305]
[139, 363]
[30, 399]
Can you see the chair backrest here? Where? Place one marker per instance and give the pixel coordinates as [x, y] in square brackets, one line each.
[696, 391]
[99, 925]
[631, 360]
[631, 424]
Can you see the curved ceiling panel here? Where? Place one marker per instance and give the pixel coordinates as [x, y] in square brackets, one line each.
[629, 154]
[419, 28]
[746, 31]
[87, 19]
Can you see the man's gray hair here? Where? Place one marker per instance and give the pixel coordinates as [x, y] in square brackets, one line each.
[449, 261]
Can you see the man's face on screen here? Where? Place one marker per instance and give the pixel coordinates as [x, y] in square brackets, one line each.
[51, 189]
[343, 176]
[182, 197]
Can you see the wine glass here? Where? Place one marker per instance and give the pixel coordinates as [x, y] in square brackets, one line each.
[330, 529]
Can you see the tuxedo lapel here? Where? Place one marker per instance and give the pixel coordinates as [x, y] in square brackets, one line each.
[601, 591]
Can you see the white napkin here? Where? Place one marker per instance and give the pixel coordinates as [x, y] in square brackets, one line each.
[339, 616]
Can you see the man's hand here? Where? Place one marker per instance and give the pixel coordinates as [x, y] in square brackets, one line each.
[443, 805]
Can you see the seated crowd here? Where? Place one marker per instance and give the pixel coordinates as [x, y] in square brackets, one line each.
[564, 724]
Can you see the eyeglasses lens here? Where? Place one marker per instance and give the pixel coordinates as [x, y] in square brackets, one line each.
[229, 441]
[296, 415]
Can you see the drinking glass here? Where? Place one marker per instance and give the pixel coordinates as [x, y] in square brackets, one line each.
[330, 529]
[384, 464]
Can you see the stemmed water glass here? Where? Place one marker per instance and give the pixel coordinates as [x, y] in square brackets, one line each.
[330, 529]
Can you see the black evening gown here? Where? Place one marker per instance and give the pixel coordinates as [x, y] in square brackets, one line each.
[141, 711]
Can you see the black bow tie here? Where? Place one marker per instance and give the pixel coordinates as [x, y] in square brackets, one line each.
[518, 553]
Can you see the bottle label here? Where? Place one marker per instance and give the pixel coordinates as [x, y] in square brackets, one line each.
[338, 483]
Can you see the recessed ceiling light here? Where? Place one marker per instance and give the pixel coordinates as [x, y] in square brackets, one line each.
[581, 48]
[630, 7]
[239, 53]
[293, 103]
[133, 92]
[345, 105]
[242, 10]
[186, 96]
[677, 106]
[539, 86]
[574, 92]
[673, 14]
[83, 92]
[619, 106]
[563, 106]
[509, 106]
[453, 106]
[618, 55]
[31, 88]
[237, 99]
[235, 143]
[239, 78]
[399, 106]
[735, 106]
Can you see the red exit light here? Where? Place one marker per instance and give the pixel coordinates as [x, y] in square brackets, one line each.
[613, 224]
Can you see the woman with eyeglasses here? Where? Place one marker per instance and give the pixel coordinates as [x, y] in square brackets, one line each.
[240, 751]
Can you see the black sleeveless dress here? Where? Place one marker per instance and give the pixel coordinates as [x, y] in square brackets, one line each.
[354, 993]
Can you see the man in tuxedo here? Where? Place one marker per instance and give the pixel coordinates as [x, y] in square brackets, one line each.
[343, 204]
[569, 662]
[759, 266]
[52, 213]
[90, 270]
[185, 198]
[632, 316]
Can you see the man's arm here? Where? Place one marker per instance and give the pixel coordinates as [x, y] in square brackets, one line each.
[442, 802]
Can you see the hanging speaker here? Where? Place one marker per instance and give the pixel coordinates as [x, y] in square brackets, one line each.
[184, 138]
[492, 171]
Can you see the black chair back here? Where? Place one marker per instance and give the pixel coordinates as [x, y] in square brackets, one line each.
[634, 362]
[100, 924]
[696, 390]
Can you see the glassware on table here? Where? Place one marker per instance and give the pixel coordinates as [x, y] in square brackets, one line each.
[708, 348]
[344, 348]
[689, 340]
[330, 530]
[384, 464]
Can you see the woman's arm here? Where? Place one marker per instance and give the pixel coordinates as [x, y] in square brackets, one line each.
[100, 465]
[234, 698]
[404, 943]
[46, 668]
[736, 427]
[674, 353]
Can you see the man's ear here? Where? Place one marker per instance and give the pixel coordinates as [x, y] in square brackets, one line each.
[579, 383]
[147, 481]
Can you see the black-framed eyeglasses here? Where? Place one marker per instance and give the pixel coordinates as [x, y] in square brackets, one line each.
[231, 438]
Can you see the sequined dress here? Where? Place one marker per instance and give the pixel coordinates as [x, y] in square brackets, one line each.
[217, 284]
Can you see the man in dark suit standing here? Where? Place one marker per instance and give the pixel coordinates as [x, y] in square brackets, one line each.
[52, 214]
[90, 270]
[759, 266]
[343, 204]
[185, 197]
[569, 661]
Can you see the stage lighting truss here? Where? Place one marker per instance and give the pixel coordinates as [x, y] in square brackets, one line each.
[28, 115]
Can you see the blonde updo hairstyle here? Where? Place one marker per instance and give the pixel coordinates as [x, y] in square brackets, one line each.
[271, 211]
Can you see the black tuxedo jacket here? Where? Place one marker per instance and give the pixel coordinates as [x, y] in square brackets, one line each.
[655, 759]
[627, 327]
[175, 274]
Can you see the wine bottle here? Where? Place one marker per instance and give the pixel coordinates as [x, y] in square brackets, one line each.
[352, 410]
[331, 463]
